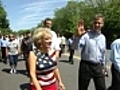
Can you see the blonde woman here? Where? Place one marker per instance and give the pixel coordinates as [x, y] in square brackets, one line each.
[42, 63]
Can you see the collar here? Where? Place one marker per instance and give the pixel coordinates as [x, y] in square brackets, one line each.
[95, 33]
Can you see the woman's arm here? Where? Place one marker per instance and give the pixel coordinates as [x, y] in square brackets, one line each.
[32, 69]
[57, 75]
[7, 51]
[18, 48]
[57, 54]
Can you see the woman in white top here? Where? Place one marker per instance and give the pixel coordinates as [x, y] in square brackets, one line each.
[12, 53]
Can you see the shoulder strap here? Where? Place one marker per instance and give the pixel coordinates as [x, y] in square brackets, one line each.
[35, 51]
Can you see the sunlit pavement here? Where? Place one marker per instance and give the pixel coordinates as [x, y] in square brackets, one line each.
[69, 74]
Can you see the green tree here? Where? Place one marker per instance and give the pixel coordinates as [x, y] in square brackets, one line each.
[4, 22]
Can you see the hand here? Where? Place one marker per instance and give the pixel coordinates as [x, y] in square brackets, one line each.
[105, 72]
[80, 29]
[61, 86]
[20, 53]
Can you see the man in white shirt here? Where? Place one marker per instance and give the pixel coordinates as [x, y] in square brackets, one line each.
[63, 43]
[54, 45]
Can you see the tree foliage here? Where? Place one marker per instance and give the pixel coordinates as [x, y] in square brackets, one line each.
[4, 22]
[66, 18]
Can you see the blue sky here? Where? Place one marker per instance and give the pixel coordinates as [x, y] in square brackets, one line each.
[24, 14]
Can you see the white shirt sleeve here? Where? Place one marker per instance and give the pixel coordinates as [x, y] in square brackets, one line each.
[55, 43]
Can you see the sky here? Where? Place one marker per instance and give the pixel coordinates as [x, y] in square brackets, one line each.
[25, 14]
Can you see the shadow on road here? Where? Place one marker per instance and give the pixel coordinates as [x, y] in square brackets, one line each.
[65, 61]
[21, 59]
[0, 60]
[24, 86]
[6, 70]
[23, 72]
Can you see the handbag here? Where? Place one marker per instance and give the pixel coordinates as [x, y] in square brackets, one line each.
[45, 61]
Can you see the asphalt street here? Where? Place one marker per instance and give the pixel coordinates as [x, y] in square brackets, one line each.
[69, 74]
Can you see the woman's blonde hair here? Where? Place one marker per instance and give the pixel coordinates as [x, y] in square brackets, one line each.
[39, 35]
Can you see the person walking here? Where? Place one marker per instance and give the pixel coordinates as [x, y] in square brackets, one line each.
[71, 51]
[59, 42]
[63, 43]
[12, 53]
[55, 44]
[92, 64]
[115, 67]
[3, 44]
[26, 47]
[44, 73]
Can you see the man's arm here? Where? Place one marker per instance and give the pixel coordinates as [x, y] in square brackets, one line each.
[103, 51]
[115, 54]
[22, 45]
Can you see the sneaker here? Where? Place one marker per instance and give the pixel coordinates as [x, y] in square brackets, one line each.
[15, 71]
[11, 71]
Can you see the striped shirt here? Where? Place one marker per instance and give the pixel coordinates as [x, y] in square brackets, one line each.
[46, 77]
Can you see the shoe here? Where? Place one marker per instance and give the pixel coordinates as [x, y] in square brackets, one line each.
[11, 71]
[69, 60]
[15, 71]
[72, 62]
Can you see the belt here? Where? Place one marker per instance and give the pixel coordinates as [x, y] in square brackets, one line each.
[91, 63]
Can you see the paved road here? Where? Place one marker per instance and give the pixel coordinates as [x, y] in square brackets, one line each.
[20, 81]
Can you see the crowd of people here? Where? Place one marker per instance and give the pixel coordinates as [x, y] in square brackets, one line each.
[42, 50]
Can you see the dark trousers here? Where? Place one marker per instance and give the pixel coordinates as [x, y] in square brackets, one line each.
[71, 54]
[4, 57]
[25, 54]
[60, 53]
[13, 60]
[63, 48]
[88, 71]
[115, 79]
[27, 66]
